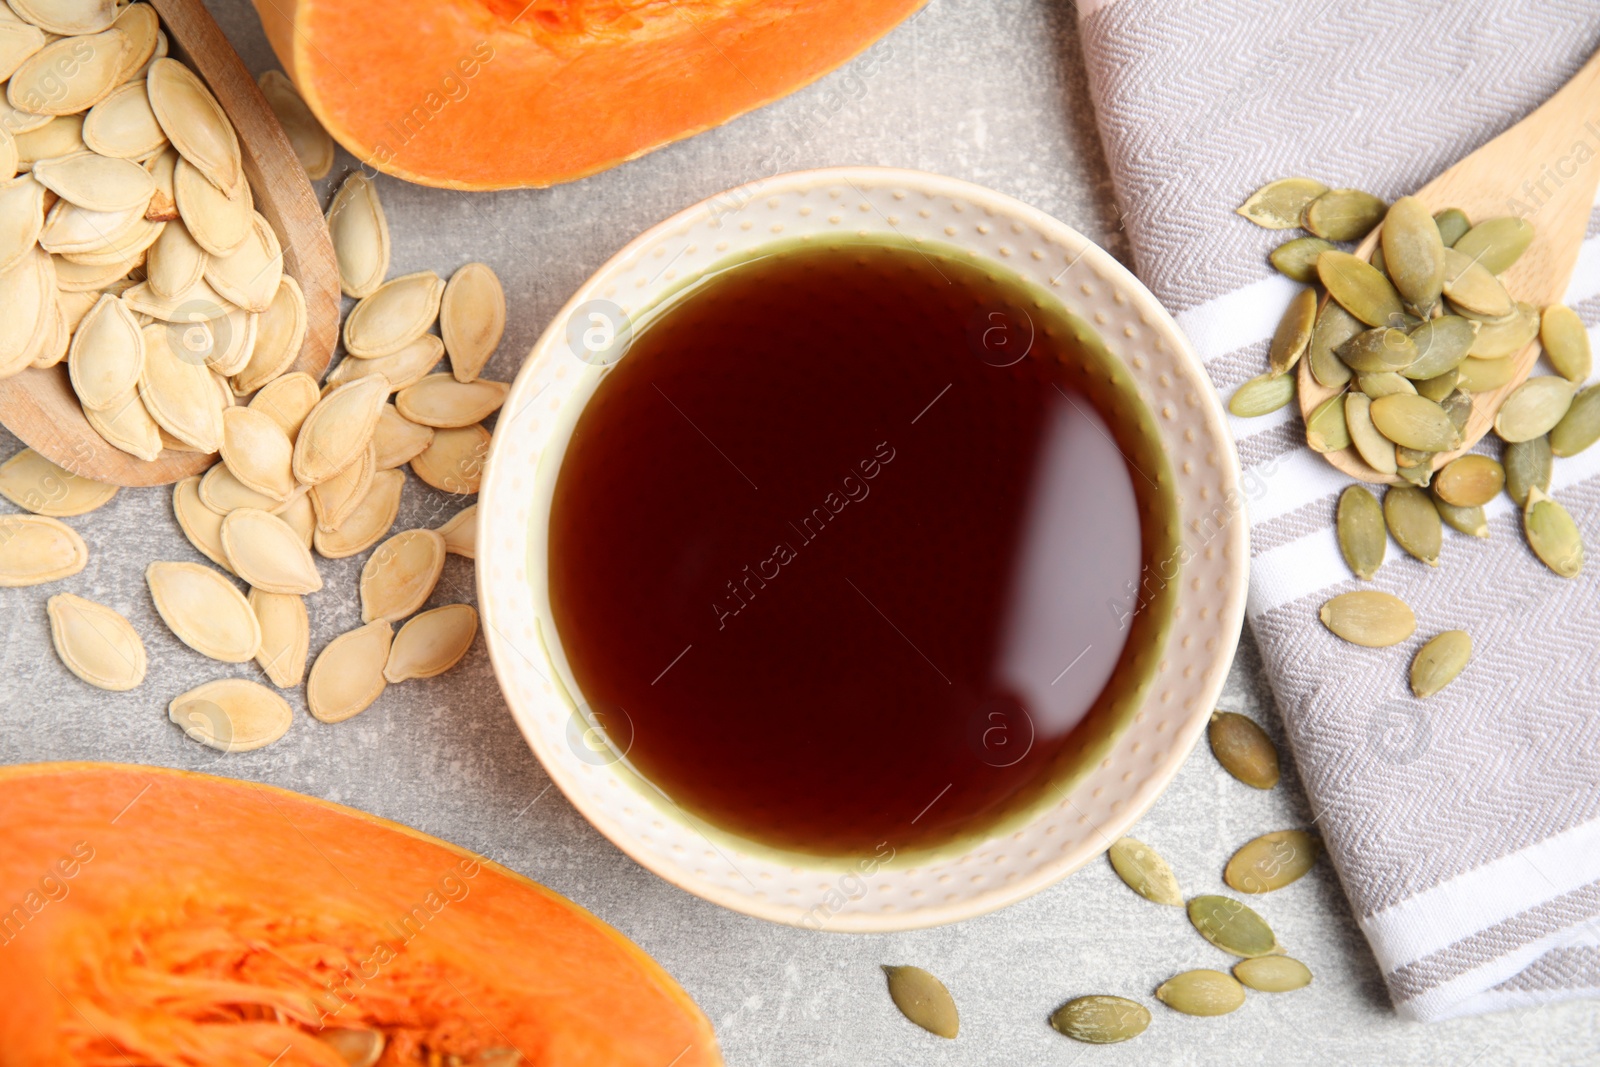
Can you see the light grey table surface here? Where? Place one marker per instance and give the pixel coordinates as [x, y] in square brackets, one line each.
[993, 92]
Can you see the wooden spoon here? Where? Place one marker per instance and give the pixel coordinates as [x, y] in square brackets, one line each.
[39, 405]
[1528, 170]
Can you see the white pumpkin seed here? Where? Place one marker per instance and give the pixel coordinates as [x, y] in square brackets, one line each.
[461, 533]
[126, 249]
[53, 349]
[27, 299]
[397, 313]
[97, 183]
[204, 610]
[400, 575]
[163, 168]
[219, 220]
[334, 499]
[70, 228]
[287, 400]
[143, 27]
[32, 482]
[223, 493]
[128, 427]
[21, 219]
[175, 262]
[404, 368]
[249, 275]
[232, 715]
[61, 136]
[442, 402]
[311, 143]
[365, 524]
[339, 429]
[267, 552]
[194, 122]
[431, 643]
[67, 17]
[35, 549]
[348, 674]
[106, 359]
[179, 395]
[285, 636]
[8, 154]
[96, 643]
[198, 303]
[18, 41]
[199, 523]
[453, 461]
[123, 126]
[398, 440]
[84, 280]
[299, 514]
[258, 453]
[69, 75]
[472, 319]
[280, 333]
[360, 235]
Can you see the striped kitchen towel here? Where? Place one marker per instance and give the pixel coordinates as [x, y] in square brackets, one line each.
[1465, 828]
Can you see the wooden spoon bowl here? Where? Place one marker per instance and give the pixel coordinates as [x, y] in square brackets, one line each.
[40, 407]
[1529, 170]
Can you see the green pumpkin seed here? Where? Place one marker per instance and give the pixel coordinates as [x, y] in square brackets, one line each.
[1281, 205]
[1294, 332]
[1507, 337]
[1385, 383]
[923, 999]
[1101, 1020]
[1334, 327]
[1145, 872]
[1485, 375]
[1375, 351]
[1533, 409]
[1415, 422]
[1405, 458]
[1201, 992]
[1232, 926]
[1566, 343]
[1344, 215]
[1458, 407]
[1413, 254]
[1273, 974]
[1496, 243]
[1377, 261]
[1325, 427]
[1469, 481]
[1441, 345]
[1297, 259]
[1262, 395]
[1439, 661]
[1361, 289]
[1470, 521]
[1414, 522]
[1376, 450]
[1363, 537]
[1471, 285]
[1418, 473]
[1244, 749]
[1369, 618]
[1527, 465]
[1440, 387]
[1552, 534]
[1452, 223]
[1580, 426]
[1273, 860]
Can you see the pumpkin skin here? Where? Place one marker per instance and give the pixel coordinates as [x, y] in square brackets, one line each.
[494, 94]
[167, 918]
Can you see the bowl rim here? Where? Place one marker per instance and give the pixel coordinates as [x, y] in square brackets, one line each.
[1229, 617]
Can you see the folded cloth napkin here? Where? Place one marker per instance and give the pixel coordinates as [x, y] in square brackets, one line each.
[1466, 827]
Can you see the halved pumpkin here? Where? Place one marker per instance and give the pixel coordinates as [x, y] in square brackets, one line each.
[156, 917]
[489, 94]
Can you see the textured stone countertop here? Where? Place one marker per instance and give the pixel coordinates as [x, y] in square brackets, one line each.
[992, 92]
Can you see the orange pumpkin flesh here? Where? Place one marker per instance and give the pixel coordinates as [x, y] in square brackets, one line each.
[490, 94]
[156, 917]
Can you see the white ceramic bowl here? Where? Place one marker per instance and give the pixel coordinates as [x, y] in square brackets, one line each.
[562, 371]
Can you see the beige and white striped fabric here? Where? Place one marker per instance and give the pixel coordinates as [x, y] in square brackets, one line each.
[1466, 828]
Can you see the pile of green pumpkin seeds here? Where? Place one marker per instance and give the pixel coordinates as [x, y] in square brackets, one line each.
[1404, 341]
[1269, 862]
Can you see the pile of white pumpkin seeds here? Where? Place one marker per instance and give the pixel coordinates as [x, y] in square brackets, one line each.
[305, 469]
[1404, 341]
[1269, 862]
